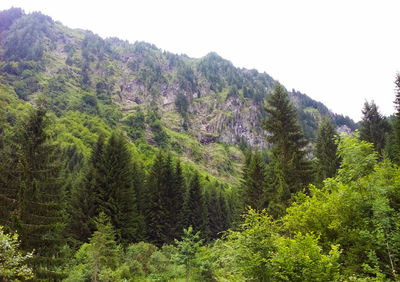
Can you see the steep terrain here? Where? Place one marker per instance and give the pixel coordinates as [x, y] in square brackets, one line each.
[202, 109]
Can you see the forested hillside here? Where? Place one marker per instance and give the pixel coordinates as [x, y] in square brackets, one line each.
[197, 108]
[123, 162]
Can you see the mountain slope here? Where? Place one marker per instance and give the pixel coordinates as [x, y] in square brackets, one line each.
[198, 108]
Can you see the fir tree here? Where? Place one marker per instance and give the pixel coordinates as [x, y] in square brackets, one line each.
[156, 212]
[327, 161]
[194, 209]
[103, 251]
[117, 196]
[374, 126]
[225, 212]
[290, 169]
[180, 189]
[215, 215]
[38, 215]
[253, 181]
[85, 197]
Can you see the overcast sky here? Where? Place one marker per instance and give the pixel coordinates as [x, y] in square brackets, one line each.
[338, 52]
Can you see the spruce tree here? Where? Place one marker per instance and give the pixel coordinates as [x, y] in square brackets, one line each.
[85, 197]
[253, 181]
[117, 197]
[156, 212]
[374, 126]
[38, 215]
[180, 190]
[290, 169]
[327, 161]
[194, 209]
[225, 212]
[215, 215]
[103, 252]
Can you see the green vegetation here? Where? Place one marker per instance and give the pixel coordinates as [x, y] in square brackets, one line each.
[112, 168]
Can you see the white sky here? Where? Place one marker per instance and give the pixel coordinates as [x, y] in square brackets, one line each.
[338, 52]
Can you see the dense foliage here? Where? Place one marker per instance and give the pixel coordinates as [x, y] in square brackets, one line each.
[108, 171]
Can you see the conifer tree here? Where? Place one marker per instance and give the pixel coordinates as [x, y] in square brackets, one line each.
[39, 209]
[373, 126]
[103, 251]
[327, 161]
[156, 206]
[290, 169]
[84, 198]
[225, 213]
[180, 189]
[117, 197]
[215, 215]
[194, 208]
[253, 181]
[169, 193]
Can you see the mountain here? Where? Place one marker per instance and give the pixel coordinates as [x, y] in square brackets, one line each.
[203, 110]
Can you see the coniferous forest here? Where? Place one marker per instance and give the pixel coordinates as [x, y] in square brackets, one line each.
[122, 162]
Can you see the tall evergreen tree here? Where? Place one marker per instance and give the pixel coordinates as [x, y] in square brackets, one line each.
[84, 198]
[117, 197]
[180, 189]
[327, 161]
[374, 126]
[37, 213]
[156, 212]
[225, 212]
[215, 215]
[194, 208]
[253, 181]
[291, 171]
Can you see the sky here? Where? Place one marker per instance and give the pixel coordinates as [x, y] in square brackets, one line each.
[340, 52]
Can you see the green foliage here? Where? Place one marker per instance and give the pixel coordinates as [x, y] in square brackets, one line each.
[326, 161]
[116, 196]
[194, 210]
[34, 196]
[160, 136]
[290, 169]
[374, 127]
[135, 124]
[23, 40]
[254, 182]
[164, 200]
[358, 210]
[301, 259]
[358, 158]
[13, 263]
[187, 248]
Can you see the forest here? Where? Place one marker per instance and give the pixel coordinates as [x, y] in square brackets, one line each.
[95, 189]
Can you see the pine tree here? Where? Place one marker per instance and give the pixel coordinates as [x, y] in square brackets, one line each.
[38, 215]
[290, 169]
[253, 181]
[327, 161]
[374, 127]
